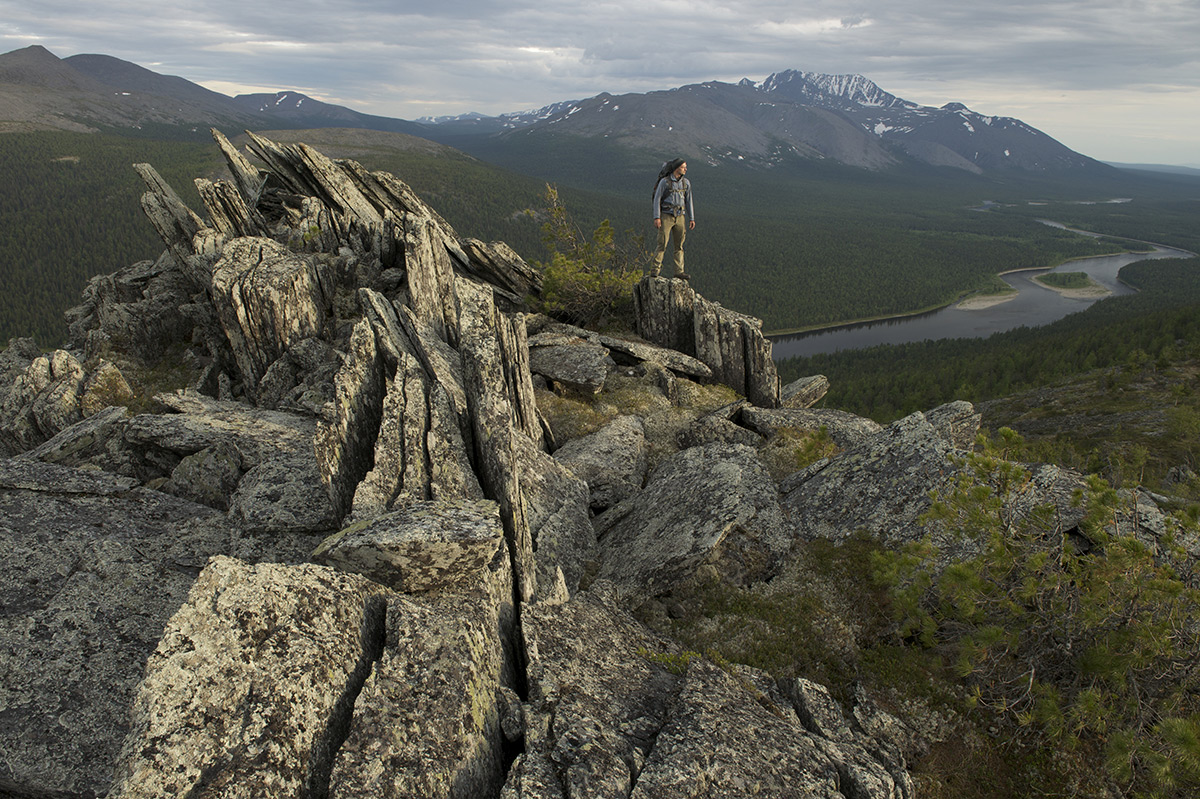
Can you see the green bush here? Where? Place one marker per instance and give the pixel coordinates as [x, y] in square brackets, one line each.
[587, 281]
[1087, 637]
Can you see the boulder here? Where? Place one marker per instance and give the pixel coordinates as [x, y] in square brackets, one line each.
[715, 505]
[98, 440]
[612, 461]
[723, 738]
[596, 699]
[846, 429]
[574, 362]
[957, 421]
[881, 485]
[426, 548]
[253, 683]
[804, 392]
[280, 488]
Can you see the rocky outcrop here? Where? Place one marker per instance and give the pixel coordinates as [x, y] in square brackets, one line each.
[348, 560]
[670, 314]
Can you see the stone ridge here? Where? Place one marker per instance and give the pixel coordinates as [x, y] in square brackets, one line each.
[360, 554]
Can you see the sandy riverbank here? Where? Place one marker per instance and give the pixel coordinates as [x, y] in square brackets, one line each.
[987, 301]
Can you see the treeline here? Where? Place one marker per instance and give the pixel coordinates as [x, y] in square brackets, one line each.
[70, 209]
[890, 381]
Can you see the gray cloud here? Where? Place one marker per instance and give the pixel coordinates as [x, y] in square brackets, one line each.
[452, 56]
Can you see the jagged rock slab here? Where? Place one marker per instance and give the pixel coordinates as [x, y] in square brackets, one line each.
[556, 510]
[640, 351]
[805, 392]
[429, 547]
[267, 299]
[612, 461]
[252, 683]
[493, 418]
[866, 749]
[720, 740]
[138, 306]
[596, 699]
[177, 225]
[97, 440]
[419, 451]
[714, 504]
[345, 443]
[669, 313]
[846, 429]
[499, 265]
[575, 362]
[93, 567]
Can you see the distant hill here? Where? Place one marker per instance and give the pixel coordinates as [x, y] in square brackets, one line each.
[845, 119]
[83, 93]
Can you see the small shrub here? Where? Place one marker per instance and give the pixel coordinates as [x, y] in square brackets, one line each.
[587, 282]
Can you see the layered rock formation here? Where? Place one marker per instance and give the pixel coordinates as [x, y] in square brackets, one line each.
[352, 559]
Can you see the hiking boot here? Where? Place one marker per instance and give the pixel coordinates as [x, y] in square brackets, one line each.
[682, 276]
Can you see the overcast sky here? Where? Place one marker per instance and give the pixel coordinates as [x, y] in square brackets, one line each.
[1118, 80]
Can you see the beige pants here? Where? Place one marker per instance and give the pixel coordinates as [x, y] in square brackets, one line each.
[675, 229]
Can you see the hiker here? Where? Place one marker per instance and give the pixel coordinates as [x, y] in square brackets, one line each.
[672, 199]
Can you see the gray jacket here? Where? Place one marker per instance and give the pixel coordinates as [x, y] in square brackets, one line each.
[673, 197]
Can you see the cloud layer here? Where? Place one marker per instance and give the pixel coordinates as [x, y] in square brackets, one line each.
[1062, 65]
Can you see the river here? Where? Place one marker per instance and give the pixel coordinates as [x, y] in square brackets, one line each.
[1033, 305]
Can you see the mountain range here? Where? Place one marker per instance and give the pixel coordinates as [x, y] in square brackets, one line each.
[790, 115]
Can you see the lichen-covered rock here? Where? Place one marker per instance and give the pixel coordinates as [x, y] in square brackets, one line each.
[804, 392]
[574, 362]
[208, 477]
[957, 421]
[137, 306]
[98, 440]
[267, 299]
[846, 429]
[722, 739]
[41, 402]
[252, 683]
[881, 486]
[345, 443]
[713, 505]
[612, 461]
[427, 723]
[93, 567]
[556, 508]
[280, 488]
[419, 451]
[596, 700]
[670, 314]
[428, 547]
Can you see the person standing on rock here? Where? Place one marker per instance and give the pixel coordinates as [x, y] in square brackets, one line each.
[674, 214]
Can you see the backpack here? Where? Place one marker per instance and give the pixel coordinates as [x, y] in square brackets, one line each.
[667, 168]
